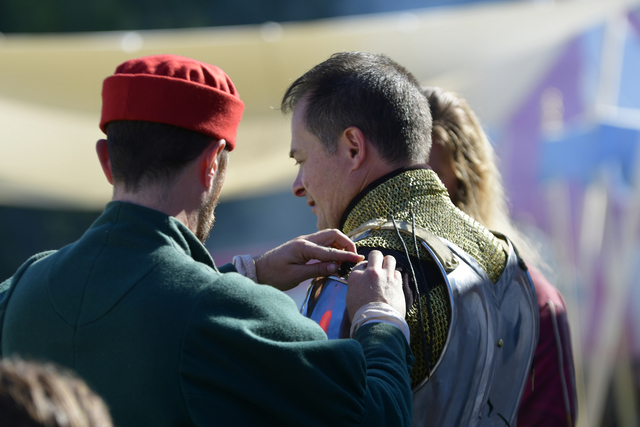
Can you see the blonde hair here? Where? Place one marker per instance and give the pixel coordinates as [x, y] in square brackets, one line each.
[480, 193]
[33, 394]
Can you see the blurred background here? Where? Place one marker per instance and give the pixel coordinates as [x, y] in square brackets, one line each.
[556, 84]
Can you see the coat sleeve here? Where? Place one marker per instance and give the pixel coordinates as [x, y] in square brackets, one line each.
[389, 361]
[250, 358]
[227, 268]
[4, 298]
[8, 285]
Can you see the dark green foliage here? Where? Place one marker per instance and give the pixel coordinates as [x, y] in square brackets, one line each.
[42, 16]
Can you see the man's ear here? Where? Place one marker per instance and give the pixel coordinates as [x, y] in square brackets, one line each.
[210, 162]
[103, 155]
[354, 145]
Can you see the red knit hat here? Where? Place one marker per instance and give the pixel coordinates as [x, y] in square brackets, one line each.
[174, 90]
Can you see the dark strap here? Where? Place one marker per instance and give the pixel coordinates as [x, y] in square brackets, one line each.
[501, 236]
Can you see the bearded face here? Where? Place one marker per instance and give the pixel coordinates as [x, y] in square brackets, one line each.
[206, 216]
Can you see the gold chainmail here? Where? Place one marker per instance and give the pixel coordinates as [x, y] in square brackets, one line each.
[421, 191]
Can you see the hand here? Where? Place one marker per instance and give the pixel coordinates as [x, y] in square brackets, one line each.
[375, 280]
[287, 265]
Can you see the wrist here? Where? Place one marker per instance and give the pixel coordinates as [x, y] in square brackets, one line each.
[379, 312]
[245, 265]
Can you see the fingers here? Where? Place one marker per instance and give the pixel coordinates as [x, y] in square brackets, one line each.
[376, 259]
[375, 280]
[286, 265]
[361, 266]
[320, 269]
[333, 238]
[389, 263]
[322, 253]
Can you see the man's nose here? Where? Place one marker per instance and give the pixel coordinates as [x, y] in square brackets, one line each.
[298, 188]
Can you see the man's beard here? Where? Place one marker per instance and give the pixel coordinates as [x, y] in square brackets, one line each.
[206, 216]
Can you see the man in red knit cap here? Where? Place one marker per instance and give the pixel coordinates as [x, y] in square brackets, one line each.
[138, 308]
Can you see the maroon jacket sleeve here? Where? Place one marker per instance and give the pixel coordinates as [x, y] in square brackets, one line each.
[549, 397]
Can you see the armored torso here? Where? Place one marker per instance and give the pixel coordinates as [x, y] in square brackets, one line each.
[457, 274]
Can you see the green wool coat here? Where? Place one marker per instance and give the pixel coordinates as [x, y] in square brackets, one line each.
[139, 310]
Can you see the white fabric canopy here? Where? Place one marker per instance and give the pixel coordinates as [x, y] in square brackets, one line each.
[50, 84]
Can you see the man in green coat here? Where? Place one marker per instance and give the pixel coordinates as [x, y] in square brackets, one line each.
[138, 308]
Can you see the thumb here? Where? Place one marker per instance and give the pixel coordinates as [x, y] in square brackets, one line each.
[328, 254]
[319, 269]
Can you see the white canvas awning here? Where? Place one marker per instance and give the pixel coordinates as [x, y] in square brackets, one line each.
[50, 84]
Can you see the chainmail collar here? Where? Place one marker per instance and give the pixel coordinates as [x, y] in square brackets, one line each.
[419, 190]
[356, 200]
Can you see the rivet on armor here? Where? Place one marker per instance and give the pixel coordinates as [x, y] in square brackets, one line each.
[500, 342]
